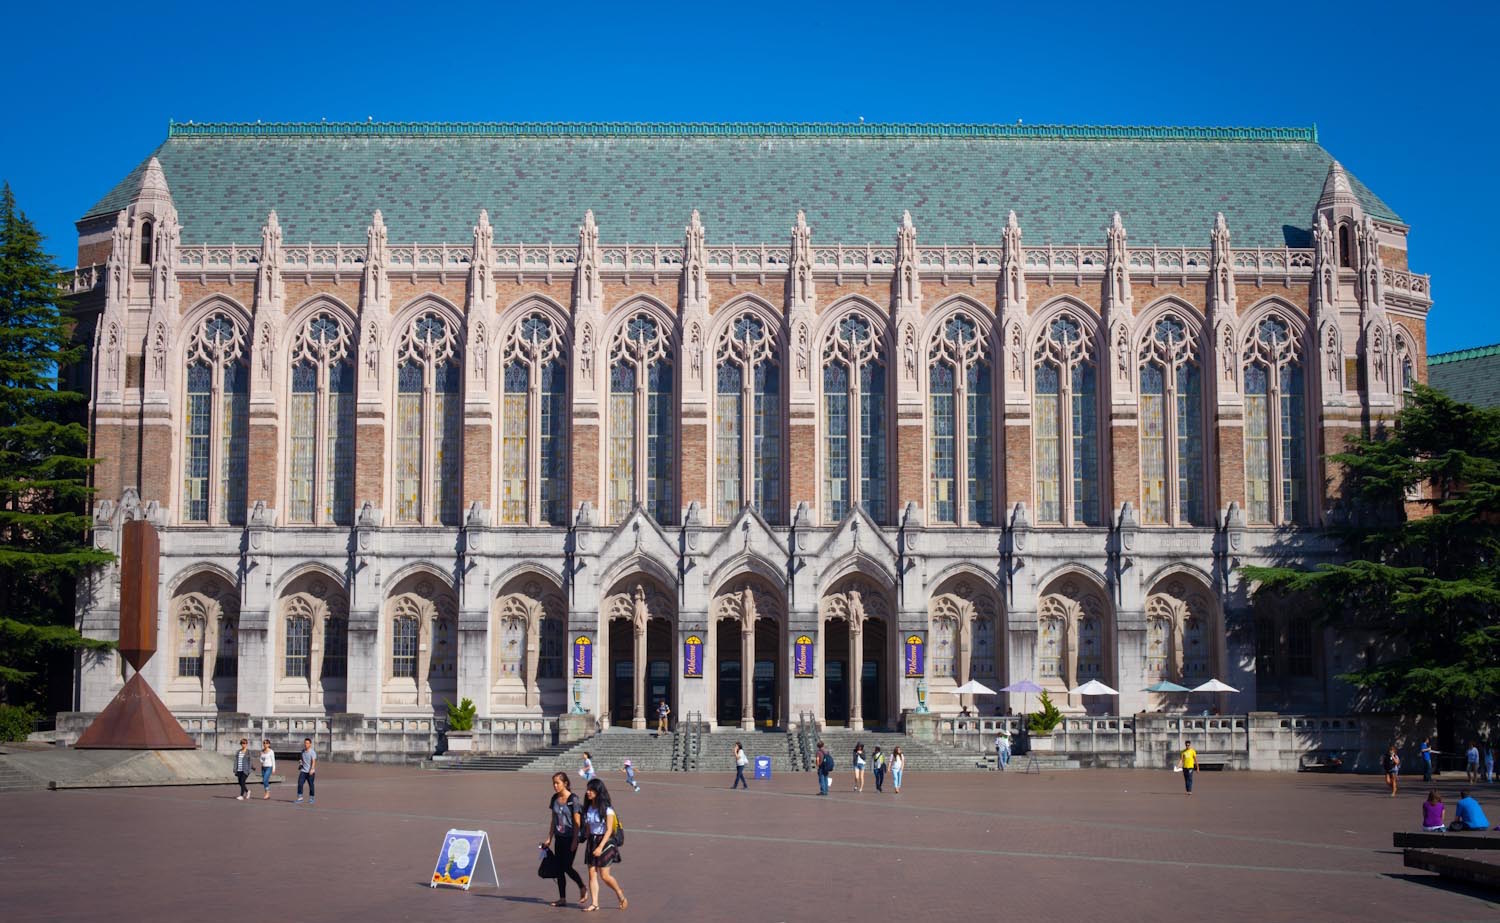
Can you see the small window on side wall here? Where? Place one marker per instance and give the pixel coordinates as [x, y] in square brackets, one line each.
[147, 235]
[1345, 260]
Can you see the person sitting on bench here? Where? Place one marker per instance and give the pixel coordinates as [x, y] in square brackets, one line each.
[1432, 813]
[1467, 814]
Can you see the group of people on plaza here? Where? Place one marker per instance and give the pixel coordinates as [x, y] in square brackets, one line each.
[1479, 764]
[878, 763]
[307, 769]
[590, 822]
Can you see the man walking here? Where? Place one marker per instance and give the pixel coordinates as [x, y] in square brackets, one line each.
[307, 770]
[824, 760]
[1189, 766]
[1427, 752]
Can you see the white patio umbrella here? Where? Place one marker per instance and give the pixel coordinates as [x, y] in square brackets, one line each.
[1214, 685]
[974, 687]
[1093, 687]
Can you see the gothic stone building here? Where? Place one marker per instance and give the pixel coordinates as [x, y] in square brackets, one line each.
[763, 420]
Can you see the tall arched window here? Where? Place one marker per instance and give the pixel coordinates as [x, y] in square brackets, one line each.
[747, 421]
[641, 450]
[429, 423]
[533, 426]
[216, 423]
[148, 239]
[299, 633]
[322, 424]
[1171, 426]
[854, 454]
[960, 409]
[1065, 423]
[1275, 469]
[405, 628]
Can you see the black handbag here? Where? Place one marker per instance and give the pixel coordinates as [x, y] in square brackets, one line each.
[550, 866]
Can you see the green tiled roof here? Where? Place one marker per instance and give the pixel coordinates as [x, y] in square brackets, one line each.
[748, 180]
[1468, 375]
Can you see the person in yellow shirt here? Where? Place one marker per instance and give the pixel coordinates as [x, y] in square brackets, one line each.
[1189, 765]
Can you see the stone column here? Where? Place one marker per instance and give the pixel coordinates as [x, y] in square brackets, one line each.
[965, 641]
[638, 674]
[856, 673]
[747, 673]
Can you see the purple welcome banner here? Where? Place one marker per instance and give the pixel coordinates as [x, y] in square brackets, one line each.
[802, 658]
[692, 657]
[583, 657]
[915, 661]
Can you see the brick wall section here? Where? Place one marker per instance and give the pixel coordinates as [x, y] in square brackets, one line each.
[112, 452]
[1394, 257]
[265, 444]
[194, 292]
[156, 474]
[910, 480]
[802, 474]
[584, 457]
[478, 465]
[721, 294]
[298, 292]
[693, 471]
[1125, 479]
[1018, 465]
[1230, 462]
[369, 465]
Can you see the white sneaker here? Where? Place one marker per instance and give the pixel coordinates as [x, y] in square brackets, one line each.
[239, 797]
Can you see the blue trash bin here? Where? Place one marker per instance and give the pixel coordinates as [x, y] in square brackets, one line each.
[762, 767]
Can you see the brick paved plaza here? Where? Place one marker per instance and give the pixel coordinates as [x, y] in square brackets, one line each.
[1088, 845]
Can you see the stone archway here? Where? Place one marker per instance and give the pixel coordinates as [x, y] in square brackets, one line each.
[856, 646]
[964, 642]
[420, 660]
[1075, 641]
[528, 648]
[747, 624]
[312, 646]
[204, 618]
[639, 650]
[1183, 638]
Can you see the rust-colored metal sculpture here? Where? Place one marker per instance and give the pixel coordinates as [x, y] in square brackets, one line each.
[136, 719]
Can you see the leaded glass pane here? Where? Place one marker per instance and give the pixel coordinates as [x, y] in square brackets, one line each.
[981, 446]
[190, 647]
[447, 442]
[982, 659]
[549, 661]
[622, 438]
[944, 486]
[836, 450]
[338, 494]
[1190, 489]
[1257, 444]
[1090, 649]
[728, 435]
[1049, 648]
[1153, 445]
[1197, 651]
[226, 658]
[408, 466]
[1158, 636]
[404, 648]
[1085, 446]
[335, 649]
[236, 443]
[659, 453]
[196, 432]
[515, 426]
[767, 458]
[298, 647]
[304, 436]
[944, 649]
[872, 460]
[1046, 421]
[1293, 467]
[554, 443]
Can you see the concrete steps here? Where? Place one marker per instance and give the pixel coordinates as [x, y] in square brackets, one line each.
[609, 749]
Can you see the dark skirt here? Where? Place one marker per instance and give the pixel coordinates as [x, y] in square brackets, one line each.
[609, 855]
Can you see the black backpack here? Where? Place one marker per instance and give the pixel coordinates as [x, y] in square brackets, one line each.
[827, 762]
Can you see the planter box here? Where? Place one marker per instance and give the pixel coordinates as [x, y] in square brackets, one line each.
[460, 741]
[1041, 743]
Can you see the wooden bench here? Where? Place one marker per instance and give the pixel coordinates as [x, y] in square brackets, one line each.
[1459, 868]
[1475, 840]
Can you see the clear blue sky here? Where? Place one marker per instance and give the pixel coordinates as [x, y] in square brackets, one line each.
[1404, 94]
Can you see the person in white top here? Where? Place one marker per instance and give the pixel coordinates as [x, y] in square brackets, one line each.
[740, 761]
[898, 768]
[267, 766]
[604, 842]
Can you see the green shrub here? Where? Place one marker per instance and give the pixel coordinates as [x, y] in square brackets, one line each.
[461, 716]
[17, 721]
[1045, 720]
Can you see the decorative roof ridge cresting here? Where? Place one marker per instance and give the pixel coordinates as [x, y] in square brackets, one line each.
[1464, 355]
[737, 130]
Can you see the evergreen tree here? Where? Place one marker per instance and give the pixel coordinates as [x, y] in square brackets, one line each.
[1422, 574]
[43, 466]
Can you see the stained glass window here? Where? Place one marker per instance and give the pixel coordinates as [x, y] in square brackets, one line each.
[747, 421]
[429, 424]
[872, 459]
[729, 424]
[304, 438]
[1171, 425]
[836, 450]
[944, 649]
[982, 660]
[549, 663]
[1046, 416]
[335, 648]
[217, 424]
[1153, 445]
[447, 436]
[408, 465]
[1049, 656]
[1090, 649]
[854, 416]
[659, 454]
[766, 462]
[196, 431]
[944, 486]
[622, 434]
[1085, 418]
[960, 453]
[642, 421]
[1275, 472]
[533, 421]
[980, 442]
[404, 648]
[554, 443]
[1197, 651]
[1065, 406]
[190, 631]
[514, 457]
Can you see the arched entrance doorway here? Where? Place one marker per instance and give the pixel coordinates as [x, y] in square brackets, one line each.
[747, 622]
[640, 651]
[857, 656]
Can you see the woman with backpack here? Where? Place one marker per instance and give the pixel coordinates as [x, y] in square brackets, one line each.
[859, 767]
[878, 767]
[898, 768]
[562, 838]
[605, 837]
